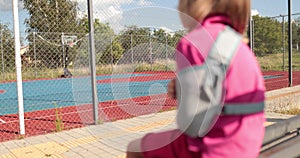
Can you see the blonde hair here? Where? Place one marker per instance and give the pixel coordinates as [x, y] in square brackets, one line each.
[237, 10]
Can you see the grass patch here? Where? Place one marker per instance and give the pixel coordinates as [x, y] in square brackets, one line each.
[21, 137]
[59, 125]
[100, 121]
[276, 62]
[31, 73]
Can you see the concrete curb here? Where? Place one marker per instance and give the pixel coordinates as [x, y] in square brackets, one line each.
[283, 99]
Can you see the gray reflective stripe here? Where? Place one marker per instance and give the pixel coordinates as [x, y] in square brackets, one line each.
[224, 48]
[239, 109]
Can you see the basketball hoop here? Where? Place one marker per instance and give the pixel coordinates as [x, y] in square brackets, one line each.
[69, 40]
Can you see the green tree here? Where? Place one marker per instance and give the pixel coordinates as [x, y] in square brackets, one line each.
[50, 19]
[267, 35]
[99, 27]
[133, 36]
[161, 35]
[167, 43]
[103, 35]
[160, 42]
[146, 45]
[51, 15]
[135, 42]
[176, 37]
[296, 33]
[112, 53]
[7, 56]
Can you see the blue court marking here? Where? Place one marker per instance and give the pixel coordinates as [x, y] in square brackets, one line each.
[44, 94]
[272, 76]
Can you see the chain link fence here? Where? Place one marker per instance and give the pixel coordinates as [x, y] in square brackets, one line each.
[133, 63]
[133, 67]
[9, 123]
[271, 47]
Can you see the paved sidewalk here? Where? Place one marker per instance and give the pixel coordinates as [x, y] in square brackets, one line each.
[108, 140]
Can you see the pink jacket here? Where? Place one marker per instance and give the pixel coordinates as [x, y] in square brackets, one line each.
[232, 136]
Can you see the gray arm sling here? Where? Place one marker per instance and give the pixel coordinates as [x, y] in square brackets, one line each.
[200, 90]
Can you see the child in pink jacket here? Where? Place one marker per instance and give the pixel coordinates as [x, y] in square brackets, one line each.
[233, 135]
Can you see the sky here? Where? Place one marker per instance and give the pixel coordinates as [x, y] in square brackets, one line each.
[149, 13]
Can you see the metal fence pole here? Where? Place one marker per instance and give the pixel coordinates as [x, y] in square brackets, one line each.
[131, 50]
[111, 53]
[283, 41]
[63, 49]
[166, 49]
[2, 55]
[34, 54]
[150, 51]
[18, 66]
[290, 42]
[253, 36]
[250, 34]
[92, 59]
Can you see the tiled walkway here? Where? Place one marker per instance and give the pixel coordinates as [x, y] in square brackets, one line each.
[108, 140]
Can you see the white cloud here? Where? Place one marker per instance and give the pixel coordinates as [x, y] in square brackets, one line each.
[103, 4]
[112, 15]
[115, 11]
[254, 12]
[111, 11]
[107, 11]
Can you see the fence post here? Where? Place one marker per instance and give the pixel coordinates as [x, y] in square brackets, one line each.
[131, 50]
[111, 53]
[18, 66]
[290, 42]
[283, 42]
[253, 30]
[63, 49]
[2, 55]
[92, 60]
[166, 49]
[250, 34]
[34, 54]
[150, 51]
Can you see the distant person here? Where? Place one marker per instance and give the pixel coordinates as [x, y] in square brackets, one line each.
[239, 130]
